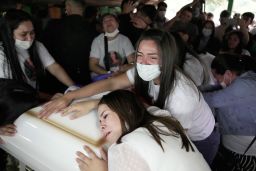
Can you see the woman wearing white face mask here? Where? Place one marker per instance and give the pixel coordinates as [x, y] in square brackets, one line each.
[159, 82]
[21, 56]
[206, 42]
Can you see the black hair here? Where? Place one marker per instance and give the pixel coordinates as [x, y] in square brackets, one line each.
[225, 13]
[133, 115]
[188, 8]
[209, 14]
[239, 47]
[233, 62]
[248, 15]
[108, 14]
[161, 4]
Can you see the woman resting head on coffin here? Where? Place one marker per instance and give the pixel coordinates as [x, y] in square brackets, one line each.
[158, 81]
[140, 140]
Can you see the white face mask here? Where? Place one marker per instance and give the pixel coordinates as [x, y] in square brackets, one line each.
[207, 32]
[23, 44]
[148, 72]
[113, 34]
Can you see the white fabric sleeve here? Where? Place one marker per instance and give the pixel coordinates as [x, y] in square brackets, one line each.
[71, 88]
[95, 48]
[2, 60]
[45, 57]
[124, 157]
[128, 47]
[158, 112]
[131, 74]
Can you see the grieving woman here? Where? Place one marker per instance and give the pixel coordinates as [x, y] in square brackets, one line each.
[139, 140]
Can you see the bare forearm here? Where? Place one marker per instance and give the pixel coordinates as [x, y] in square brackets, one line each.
[98, 70]
[118, 82]
[57, 71]
[245, 35]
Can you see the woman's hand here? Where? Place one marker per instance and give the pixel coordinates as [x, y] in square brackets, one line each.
[128, 7]
[56, 96]
[7, 130]
[80, 109]
[91, 162]
[55, 105]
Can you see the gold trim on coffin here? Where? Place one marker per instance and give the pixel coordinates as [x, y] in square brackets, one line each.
[70, 131]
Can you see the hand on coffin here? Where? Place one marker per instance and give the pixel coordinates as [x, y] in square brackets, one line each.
[53, 106]
[56, 96]
[80, 109]
[91, 162]
[7, 130]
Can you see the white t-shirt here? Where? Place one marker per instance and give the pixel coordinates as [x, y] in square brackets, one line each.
[23, 55]
[194, 69]
[206, 59]
[139, 151]
[187, 105]
[121, 44]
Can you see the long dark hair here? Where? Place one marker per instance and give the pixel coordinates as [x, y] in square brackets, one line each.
[168, 54]
[133, 115]
[240, 46]
[233, 62]
[11, 21]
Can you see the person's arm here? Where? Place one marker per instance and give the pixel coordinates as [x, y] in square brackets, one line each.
[124, 157]
[130, 59]
[57, 71]
[114, 83]
[91, 161]
[80, 109]
[170, 23]
[244, 31]
[94, 66]
[128, 7]
[227, 96]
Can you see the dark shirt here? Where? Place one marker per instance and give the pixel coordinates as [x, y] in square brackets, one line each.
[127, 29]
[69, 41]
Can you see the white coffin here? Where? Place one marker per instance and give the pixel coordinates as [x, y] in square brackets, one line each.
[51, 145]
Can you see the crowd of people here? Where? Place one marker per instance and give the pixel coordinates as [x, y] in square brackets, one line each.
[190, 85]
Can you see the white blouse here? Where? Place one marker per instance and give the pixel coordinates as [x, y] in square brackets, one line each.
[186, 104]
[140, 152]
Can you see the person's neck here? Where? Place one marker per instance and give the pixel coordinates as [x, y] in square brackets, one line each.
[112, 38]
[157, 81]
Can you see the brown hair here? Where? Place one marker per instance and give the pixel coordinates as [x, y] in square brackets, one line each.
[133, 115]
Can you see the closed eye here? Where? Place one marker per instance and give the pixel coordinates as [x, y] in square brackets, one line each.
[105, 116]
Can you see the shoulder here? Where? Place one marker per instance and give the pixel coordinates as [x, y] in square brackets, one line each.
[122, 37]
[40, 45]
[183, 83]
[99, 38]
